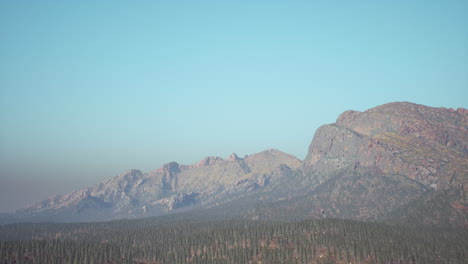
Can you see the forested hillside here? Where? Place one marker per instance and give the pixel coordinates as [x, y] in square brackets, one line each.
[174, 239]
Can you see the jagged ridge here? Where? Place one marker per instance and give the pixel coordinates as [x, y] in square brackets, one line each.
[173, 186]
[371, 165]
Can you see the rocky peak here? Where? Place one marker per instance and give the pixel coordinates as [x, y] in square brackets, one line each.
[438, 126]
[208, 161]
[424, 143]
[233, 157]
[119, 182]
[364, 165]
[171, 167]
[271, 158]
[131, 174]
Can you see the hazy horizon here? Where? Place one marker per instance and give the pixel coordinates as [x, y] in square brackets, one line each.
[88, 90]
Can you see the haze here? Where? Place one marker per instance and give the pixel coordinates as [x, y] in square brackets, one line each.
[88, 89]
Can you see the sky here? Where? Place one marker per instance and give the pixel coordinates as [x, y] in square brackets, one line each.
[89, 89]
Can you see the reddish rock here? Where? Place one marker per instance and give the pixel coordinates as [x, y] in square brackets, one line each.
[426, 144]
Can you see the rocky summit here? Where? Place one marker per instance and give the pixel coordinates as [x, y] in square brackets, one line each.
[133, 193]
[428, 145]
[399, 162]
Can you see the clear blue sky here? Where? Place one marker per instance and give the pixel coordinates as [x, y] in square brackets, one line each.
[91, 88]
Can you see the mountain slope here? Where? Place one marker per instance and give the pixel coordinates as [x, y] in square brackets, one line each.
[173, 186]
[426, 144]
[398, 162]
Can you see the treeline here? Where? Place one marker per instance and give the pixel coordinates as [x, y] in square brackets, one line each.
[172, 240]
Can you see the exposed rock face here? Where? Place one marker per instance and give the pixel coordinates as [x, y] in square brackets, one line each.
[399, 161]
[426, 144]
[415, 155]
[179, 200]
[173, 186]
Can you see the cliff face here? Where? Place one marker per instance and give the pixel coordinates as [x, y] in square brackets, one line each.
[426, 144]
[399, 162]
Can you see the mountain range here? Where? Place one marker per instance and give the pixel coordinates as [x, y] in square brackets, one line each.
[398, 162]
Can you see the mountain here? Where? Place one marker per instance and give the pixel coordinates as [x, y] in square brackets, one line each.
[133, 193]
[426, 144]
[398, 162]
[394, 158]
